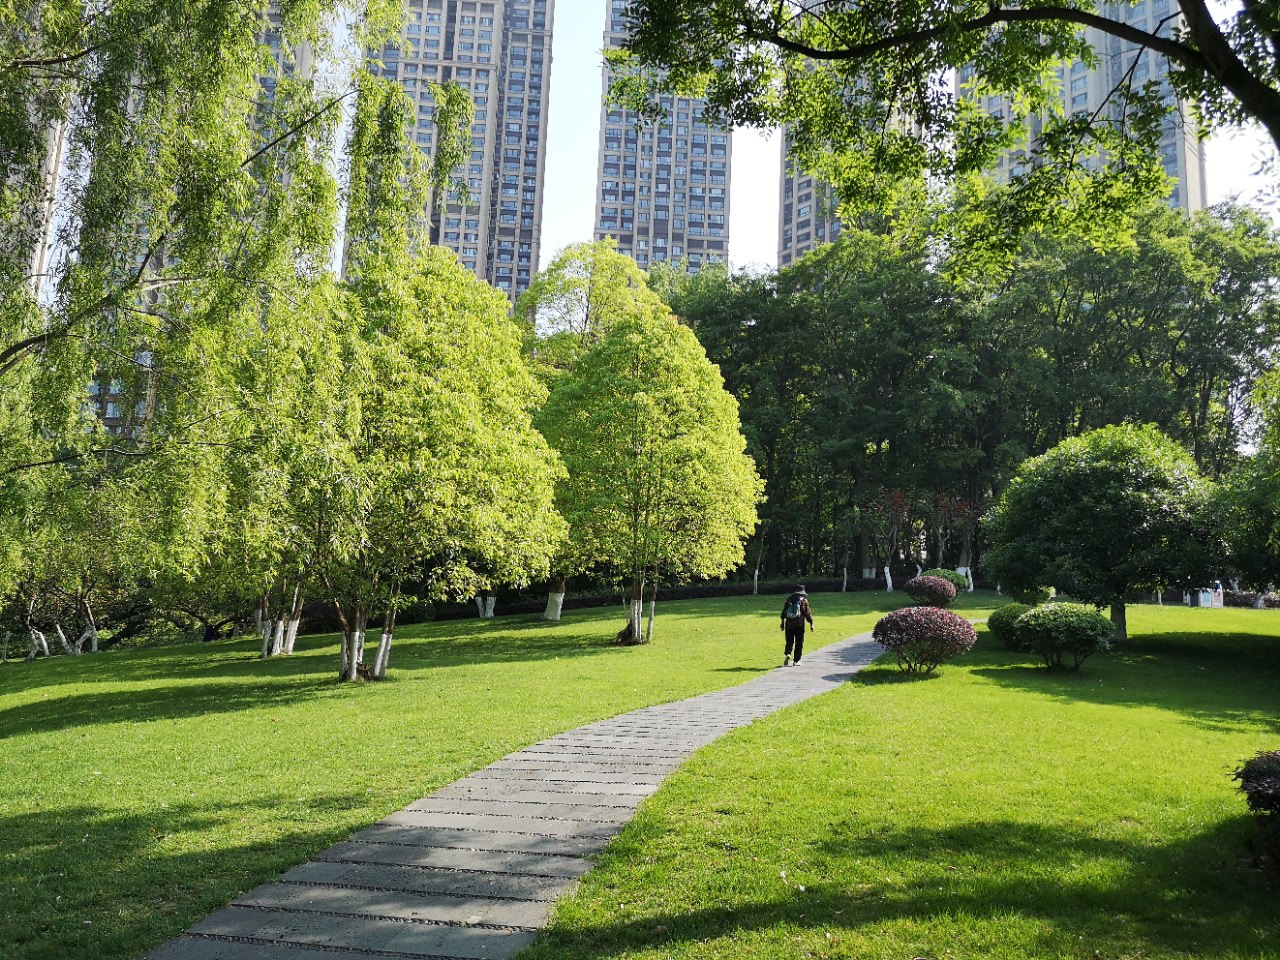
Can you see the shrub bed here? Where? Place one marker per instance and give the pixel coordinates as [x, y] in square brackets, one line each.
[923, 637]
[1002, 624]
[930, 591]
[1062, 632]
[1239, 598]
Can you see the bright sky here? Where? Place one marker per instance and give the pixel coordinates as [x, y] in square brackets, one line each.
[573, 138]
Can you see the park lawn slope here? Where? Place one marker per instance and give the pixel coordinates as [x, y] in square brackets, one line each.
[993, 811]
[141, 790]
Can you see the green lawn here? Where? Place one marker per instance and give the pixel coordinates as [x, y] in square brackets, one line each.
[993, 811]
[141, 790]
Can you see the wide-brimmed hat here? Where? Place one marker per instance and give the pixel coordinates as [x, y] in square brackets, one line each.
[800, 589]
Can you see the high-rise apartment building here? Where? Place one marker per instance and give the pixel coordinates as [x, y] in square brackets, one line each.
[500, 52]
[663, 186]
[1087, 91]
[806, 211]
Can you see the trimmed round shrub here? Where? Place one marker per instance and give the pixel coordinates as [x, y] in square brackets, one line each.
[1260, 781]
[1002, 624]
[1032, 596]
[1064, 632]
[930, 591]
[922, 637]
[957, 580]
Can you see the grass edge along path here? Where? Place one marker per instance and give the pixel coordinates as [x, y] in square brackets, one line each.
[993, 811]
[141, 791]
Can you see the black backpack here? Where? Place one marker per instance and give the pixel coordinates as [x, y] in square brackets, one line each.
[793, 610]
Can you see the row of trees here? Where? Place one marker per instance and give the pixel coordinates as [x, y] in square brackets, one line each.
[889, 389]
[203, 416]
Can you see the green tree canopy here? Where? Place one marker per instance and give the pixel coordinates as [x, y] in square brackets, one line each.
[1103, 514]
[658, 482]
[576, 300]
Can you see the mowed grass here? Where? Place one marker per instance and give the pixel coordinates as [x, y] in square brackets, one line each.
[992, 811]
[141, 790]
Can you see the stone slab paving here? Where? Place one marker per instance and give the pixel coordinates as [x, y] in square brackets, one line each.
[472, 871]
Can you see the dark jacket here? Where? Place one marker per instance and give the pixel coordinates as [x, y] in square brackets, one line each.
[805, 614]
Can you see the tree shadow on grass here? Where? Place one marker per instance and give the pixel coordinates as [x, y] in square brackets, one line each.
[161, 684]
[1222, 682]
[315, 657]
[1061, 894]
[174, 701]
[84, 884]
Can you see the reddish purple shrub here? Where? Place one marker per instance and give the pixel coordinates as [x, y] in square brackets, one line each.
[922, 637]
[931, 591]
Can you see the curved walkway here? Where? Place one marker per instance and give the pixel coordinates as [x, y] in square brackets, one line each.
[473, 870]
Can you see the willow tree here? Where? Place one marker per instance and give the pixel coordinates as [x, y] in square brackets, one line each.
[658, 481]
[168, 181]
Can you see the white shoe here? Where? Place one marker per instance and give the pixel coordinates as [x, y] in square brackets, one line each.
[796, 664]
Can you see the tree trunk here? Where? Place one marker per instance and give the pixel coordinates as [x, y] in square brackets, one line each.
[888, 580]
[88, 633]
[62, 639]
[864, 555]
[295, 618]
[260, 618]
[490, 601]
[631, 634]
[352, 641]
[277, 634]
[555, 600]
[384, 644]
[38, 643]
[1119, 622]
[4, 656]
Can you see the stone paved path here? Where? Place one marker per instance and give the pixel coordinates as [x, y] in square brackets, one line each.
[473, 870]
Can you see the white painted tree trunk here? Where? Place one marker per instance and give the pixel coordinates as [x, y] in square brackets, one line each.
[62, 639]
[38, 644]
[755, 581]
[888, 580]
[480, 606]
[383, 657]
[637, 612]
[490, 602]
[868, 573]
[919, 569]
[295, 618]
[90, 632]
[555, 604]
[353, 644]
[968, 575]
[277, 636]
[265, 629]
[648, 629]
[844, 586]
[291, 633]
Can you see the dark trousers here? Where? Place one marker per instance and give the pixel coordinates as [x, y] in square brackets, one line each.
[795, 641]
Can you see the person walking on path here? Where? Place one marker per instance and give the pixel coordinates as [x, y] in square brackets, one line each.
[794, 613]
